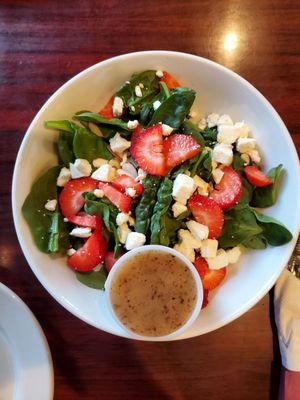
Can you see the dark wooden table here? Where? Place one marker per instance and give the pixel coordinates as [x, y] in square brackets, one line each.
[43, 44]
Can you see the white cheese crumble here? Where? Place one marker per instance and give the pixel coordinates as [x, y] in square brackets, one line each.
[51, 205]
[71, 251]
[222, 153]
[63, 177]
[80, 168]
[98, 162]
[209, 248]
[99, 193]
[156, 104]
[130, 192]
[119, 144]
[199, 231]
[217, 174]
[135, 239]
[81, 232]
[122, 218]
[178, 209]
[105, 173]
[118, 106]
[132, 124]
[219, 261]
[159, 73]
[138, 91]
[183, 188]
[166, 129]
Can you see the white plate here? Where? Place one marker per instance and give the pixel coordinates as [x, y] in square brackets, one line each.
[218, 90]
[26, 371]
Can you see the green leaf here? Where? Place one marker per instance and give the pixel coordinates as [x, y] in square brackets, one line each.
[210, 136]
[237, 163]
[266, 196]
[165, 89]
[274, 231]
[144, 209]
[169, 228]
[108, 212]
[93, 279]
[58, 234]
[256, 242]
[99, 120]
[37, 217]
[164, 199]
[191, 129]
[146, 108]
[61, 125]
[246, 196]
[239, 226]
[175, 108]
[89, 146]
[127, 92]
[65, 147]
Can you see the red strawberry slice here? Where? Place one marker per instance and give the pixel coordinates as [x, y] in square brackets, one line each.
[169, 80]
[90, 254]
[179, 148]
[107, 111]
[207, 212]
[228, 191]
[86, 220]
[147, 150]
[110, 260]
[123, 182]
[119, 199]
[211, 278]
[205, 298]
[70, 199]
[257, 177]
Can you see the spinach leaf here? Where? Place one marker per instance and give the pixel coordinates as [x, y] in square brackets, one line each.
[37, 217]
[105, 209]
[164, 89]
[93, 279]
[186, 214]
[175, 108]
[127, 92]
[239, 226]
[256, 242]
[144, 209]
[274, 231]
[191, 129]
[65, 147]
[266, 196]
[237, 163]
[210, 136]
[164, 199]
[61, 125]
[146, 109]
[246, 196]
[117, 124]
[89, 146]
[58, 234]
[169, 227]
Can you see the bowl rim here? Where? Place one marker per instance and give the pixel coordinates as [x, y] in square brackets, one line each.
[158, 53]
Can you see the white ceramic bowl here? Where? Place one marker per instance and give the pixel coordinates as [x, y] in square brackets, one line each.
[162, 249]
[218, 90]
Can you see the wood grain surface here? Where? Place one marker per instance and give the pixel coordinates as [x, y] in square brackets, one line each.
[43, 44]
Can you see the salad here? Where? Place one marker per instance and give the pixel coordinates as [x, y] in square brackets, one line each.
[142, 171]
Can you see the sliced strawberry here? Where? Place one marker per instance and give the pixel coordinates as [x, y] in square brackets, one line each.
[228, 191]
[107, 111]
[207, 212]
[86, 220]
[179, 148]
[147, 150]
[123, 182]
[169, 80]
[257, 177]
[120, 200]
[110, 260]
[90, 254]
[205, 298]
[70, 199]
[211, 278]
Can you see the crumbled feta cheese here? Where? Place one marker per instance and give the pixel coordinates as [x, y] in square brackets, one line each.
[124, 158]
[106, 173]
[199, 231]
[166, 129]
[201, 186]
[80, 168]
[159, 73]
[141, 85]
[132, 124]
[185, 250]
[234, 254]
[226, 134]
[51, 205]
[219, 261]
[186, 237]
[135, 239]
[217, 174]
[118, 106]
[99, 161]
[114, 163]
[131, 221]
[123, 232]
[141, 174]
[132, 108]
[156, 104]
[222, 153]
[255, 156]
[214, 164]
[122, 218]
[99, 193]
[245, 145]
[119, 144]
[71, 251]
[128, 169]
[202, 123]
[209, 248]
[178, 209]
[138, 91]
[183, 188]
[225, 120]
[246, 158]
[66, 220]
[63, 177]
[81, 232]
[212, 120]
[130, 192]
[242, 129]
